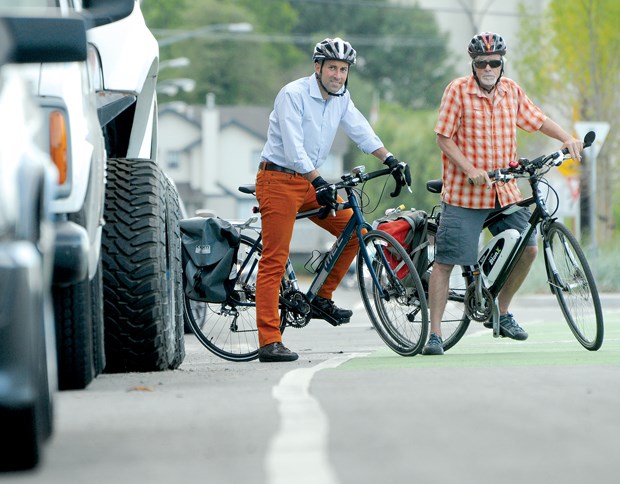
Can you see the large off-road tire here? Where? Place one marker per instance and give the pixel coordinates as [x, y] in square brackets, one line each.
[140, 309]
[175, 274]
[96, 311]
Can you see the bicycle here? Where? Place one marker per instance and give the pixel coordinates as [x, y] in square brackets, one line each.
[569, 275]
[398, 312]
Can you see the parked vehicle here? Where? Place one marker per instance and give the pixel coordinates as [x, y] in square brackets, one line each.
[141, 239]
[27, 186]
[117, 273]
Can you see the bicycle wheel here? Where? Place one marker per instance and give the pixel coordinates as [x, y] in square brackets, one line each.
[397, 307]
[454, 322]
[571, 280]
[228, 329]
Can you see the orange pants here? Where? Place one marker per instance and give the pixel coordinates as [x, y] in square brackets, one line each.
[281, 196]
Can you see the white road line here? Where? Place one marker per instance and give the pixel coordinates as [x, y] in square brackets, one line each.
[298, 452]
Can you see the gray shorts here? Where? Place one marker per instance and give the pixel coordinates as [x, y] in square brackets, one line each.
[459, 232]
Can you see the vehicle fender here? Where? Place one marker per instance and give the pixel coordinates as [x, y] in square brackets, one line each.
[127, 49]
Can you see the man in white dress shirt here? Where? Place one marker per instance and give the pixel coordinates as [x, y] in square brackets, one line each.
[302, 127]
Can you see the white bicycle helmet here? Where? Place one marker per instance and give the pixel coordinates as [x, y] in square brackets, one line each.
[334, 49]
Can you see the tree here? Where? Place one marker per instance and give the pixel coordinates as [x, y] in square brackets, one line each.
[409, 134]
[569, 58]
[230, 65]
[163, 14]
[400, 49]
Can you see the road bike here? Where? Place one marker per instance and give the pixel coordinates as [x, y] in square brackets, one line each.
[397, 310]
[473, 294]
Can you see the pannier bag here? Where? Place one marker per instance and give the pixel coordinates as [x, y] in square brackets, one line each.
[408, 227]
[209, 248]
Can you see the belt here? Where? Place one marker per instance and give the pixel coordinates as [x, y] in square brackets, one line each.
[269, 166]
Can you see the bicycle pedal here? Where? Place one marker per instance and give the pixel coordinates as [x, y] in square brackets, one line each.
[318, 314]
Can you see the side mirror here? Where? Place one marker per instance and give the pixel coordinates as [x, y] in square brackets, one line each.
[42, 39]
[102, 12]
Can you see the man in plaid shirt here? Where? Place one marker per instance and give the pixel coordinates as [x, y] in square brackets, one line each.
[477, 132]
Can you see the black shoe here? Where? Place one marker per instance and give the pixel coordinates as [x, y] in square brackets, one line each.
[434, 346]
[322, 307]
[276, 352]
[508, 328]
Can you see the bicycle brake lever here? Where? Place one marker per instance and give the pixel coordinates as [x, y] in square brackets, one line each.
[558, 158]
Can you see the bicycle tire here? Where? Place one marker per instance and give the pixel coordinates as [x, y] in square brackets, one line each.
[401, 318]
[229, 329]
[454, 321]
[574, 286]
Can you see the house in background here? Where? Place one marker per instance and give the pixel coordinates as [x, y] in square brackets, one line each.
[209, 151]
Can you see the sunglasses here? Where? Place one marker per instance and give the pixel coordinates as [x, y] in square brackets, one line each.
[482, 64]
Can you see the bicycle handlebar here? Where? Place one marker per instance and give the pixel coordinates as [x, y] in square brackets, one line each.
[358, 176]
[523, 165]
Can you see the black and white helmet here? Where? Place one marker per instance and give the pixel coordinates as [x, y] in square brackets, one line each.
[334, 49]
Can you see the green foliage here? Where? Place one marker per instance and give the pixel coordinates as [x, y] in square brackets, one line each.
[410, 136]
[577, 73]
[400, 50]
[237, 71]
[605, 266]
[276, 16]
[163, 14]
[402, 53]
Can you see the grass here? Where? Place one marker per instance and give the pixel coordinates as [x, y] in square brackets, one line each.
[605, 266]
[550, 343]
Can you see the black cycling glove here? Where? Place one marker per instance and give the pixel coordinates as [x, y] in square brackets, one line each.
[325, 193]
[401, 174]
[392, 164]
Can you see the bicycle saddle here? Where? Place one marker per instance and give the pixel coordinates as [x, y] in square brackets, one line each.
[249, 189]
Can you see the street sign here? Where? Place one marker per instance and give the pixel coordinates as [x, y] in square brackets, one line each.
[569, 168]
[601, 129]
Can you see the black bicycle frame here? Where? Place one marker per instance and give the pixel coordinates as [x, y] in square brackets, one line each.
[356, 224]
[539, 214]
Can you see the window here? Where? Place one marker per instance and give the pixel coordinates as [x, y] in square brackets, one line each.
[173, 159]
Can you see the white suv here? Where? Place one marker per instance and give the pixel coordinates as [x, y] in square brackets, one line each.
[142, 279]
[117, 273]
[27, 346]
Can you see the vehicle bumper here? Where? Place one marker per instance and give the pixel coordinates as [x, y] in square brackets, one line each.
[21, 325]
[70, 253]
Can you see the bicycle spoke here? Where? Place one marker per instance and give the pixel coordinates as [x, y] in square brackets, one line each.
[397, 305]
[229, 329]
[572, 282]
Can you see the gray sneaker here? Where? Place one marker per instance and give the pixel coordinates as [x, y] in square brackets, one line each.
[509, 328]
[434, 346]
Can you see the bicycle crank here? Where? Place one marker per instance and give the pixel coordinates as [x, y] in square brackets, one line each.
[296, 309]
[478, 308]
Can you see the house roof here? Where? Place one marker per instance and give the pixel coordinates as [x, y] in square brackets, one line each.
[254, 119]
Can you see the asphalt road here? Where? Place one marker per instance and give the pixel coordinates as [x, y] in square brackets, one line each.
[351, 411]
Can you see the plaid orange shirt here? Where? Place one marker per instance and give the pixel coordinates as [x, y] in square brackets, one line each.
[486, 133]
